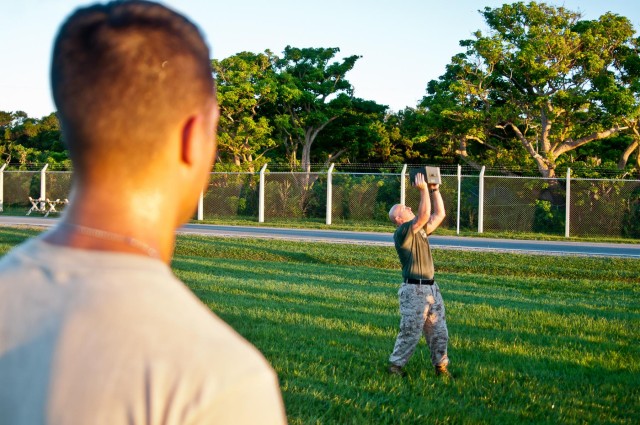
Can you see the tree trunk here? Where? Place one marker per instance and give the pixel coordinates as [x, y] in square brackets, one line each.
[332, 157]
[291, 148]
[547, 171]
[624, 158]
[310, 134]
[252, 168]
[464, 155]
[545, 165]
[305, 160]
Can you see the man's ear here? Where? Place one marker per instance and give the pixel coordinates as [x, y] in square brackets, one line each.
[189, 145]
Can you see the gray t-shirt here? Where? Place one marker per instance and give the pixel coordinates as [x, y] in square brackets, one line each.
[94, 337]
[414, 252]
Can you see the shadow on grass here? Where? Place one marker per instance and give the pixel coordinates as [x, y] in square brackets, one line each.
[209, 247]
[289, 251]
[343, 277]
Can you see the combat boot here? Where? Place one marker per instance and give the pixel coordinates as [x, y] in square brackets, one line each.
[441, 370]
[396, 370]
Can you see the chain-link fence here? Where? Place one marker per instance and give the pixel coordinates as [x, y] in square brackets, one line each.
[231, 195]
[294, 196]
[18, 187]
[605, 207]
[595, 207]
[58, 185]
[449, 192]
[524, 204]
[363, 196]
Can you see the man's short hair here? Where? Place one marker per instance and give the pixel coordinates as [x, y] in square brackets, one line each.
[393, 214]
[122, 74]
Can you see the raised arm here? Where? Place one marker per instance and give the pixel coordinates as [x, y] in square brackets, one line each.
[438, 210]
[424, 209]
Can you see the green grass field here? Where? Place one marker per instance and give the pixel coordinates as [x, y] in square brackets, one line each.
[534, 339]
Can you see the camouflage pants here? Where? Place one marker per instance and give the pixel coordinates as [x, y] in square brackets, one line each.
[422, 313]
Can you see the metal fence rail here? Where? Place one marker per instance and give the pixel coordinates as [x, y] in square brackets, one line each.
[562, 205]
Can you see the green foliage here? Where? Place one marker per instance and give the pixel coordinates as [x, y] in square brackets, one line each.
[27, 142]
[364, 197]
[415, 140]
[246, 82]
[231, 195]
[387, 196]
[359, 132]
[548, 218]
[287, 195]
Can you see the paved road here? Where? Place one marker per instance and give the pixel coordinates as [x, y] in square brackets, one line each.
[373, 238]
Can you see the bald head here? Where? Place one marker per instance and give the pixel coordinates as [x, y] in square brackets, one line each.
[124, 75]
[400, 213]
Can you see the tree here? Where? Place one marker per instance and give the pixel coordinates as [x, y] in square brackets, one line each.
[542, 78]
[313, 92]
[358, 134]
[25, 140]
[418, 139]
[246, 82]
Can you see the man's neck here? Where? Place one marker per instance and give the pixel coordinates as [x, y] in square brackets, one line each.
[134, 224]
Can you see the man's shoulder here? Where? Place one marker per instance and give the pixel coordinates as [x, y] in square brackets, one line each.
[402, 231]
[404, 226]
[161, 312]
[22, 261]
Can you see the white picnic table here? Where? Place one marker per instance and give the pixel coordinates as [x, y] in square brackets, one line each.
[45, 206]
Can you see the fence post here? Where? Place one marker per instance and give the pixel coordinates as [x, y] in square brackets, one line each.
[481, 202]
[201, 206]
[329, 193]
[43, 186]
[403, 185]
[459, 188]
[261, 195]
[2, 186]
[567, 216]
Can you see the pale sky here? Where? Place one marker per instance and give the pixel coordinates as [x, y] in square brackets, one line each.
[403, 43]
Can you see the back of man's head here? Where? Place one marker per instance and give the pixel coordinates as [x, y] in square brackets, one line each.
[393, 212]
[124, 75]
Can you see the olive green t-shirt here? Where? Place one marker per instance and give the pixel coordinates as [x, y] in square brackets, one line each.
[414, 252]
